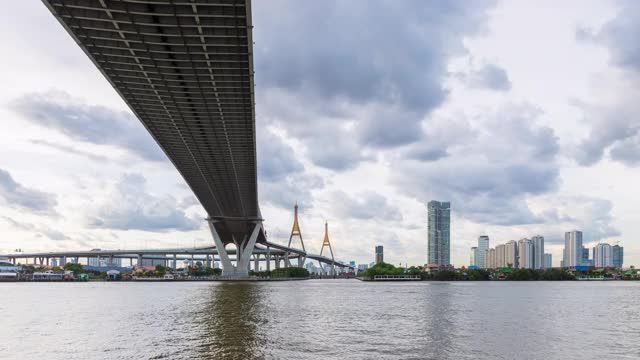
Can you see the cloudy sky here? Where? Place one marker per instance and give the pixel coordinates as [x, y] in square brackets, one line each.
[523, 115]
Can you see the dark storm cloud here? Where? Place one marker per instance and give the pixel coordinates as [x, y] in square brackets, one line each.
[364, 206]
[130, 207]
[487, 177]
[15, 195]
[377, 64]
[88, 123]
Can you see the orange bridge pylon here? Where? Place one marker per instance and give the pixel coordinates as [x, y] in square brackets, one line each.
[295, 232]
[326, 243]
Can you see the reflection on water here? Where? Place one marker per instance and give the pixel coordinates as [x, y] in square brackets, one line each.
[233, 321]
[436, 312]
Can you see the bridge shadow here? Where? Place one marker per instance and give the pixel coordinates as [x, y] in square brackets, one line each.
[234, 322]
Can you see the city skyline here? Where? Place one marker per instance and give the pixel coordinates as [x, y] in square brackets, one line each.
[66, 185]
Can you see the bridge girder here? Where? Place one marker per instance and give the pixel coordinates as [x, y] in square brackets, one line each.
[186, 71]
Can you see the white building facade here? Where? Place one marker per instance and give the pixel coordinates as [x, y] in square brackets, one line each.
[525, 254]
[538, 251]
[603, 256]
[572, 249]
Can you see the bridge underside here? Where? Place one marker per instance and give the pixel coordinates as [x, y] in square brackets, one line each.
[186, 70]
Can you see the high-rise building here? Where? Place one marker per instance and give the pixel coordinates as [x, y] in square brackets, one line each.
[618, 256]
[538, 251]
[500, 256]
[572, 248]
[439, 223]
[483, 246]
[511, 254]
[525, 254]
[585, 257]
[473, 259]
[379, 254]
[491, 258]
[547, 261]
[602, 256]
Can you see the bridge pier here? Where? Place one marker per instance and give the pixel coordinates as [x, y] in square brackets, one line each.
[244, 249]
[268, 258]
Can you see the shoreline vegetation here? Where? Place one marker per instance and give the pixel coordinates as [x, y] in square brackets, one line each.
[77, 272]
[502, 274]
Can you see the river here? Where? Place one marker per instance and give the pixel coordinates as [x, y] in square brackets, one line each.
[320, 319]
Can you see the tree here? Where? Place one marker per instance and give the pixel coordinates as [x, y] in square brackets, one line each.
[382, 268]
[478, 275]
[446, 275]
[556, 274]
[523, 275]
[293, 272]
[160, 270]
[76, 268]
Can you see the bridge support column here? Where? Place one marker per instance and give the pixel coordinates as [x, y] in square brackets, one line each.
[244, 249]
[256, 263]
[268, 259]
[139, 260]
